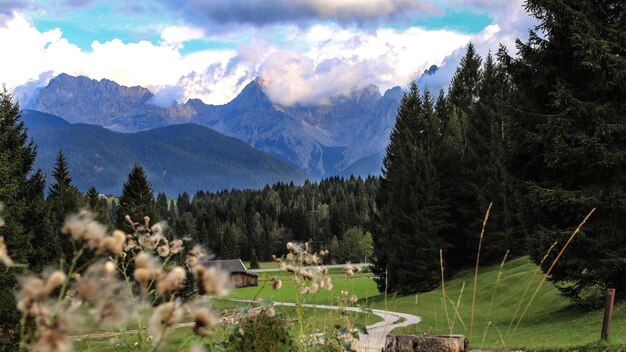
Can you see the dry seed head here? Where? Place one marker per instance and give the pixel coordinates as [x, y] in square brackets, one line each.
[129, 220]
[56, 279]
[354, 299]
[142, 260]
[313, 288]
[165, 316]
[111, 312]
[172, 282]
[270, 312]
[163, 251]
[109, 268]
[203, 322]
[176, 246]
[303, 290]
[276, 283]
[51, 340]
[146, 221]
[4, 253]
[211, 281]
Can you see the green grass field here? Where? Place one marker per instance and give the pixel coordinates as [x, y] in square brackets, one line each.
[550, 323]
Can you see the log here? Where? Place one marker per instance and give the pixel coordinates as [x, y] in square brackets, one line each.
[425, 343]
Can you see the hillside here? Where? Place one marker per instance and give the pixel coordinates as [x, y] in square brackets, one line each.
[552, 322]
[177, 158]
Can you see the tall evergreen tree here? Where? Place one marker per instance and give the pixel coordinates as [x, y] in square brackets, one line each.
[567, 150]
[63, 199]
[406, 241]
[25, 231]
[457, 162]
[97, 206]
[137, 199]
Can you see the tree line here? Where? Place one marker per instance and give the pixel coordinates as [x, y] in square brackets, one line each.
[541, 135]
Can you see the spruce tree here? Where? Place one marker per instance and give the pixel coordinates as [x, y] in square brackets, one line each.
[63, 199]
[162, 206]
[25, 231]
[137, 200]
[567, 144]
[97, 206]
[406, 240]
[457, 162]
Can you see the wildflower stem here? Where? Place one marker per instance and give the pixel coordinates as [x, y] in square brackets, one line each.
[480, 243]
[70, 274]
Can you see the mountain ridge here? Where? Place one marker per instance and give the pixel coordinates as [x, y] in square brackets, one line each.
[177, 158]
[322, 140]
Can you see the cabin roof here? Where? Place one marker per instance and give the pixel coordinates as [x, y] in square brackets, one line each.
[228, 265]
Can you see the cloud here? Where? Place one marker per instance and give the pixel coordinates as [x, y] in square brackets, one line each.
[176, 35]
[9, 7]
[510, 22]
[260, 13]
[339, 60]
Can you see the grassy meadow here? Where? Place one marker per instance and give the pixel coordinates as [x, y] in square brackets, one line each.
[551, 321]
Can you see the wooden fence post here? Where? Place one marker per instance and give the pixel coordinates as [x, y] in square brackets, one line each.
[608, 313]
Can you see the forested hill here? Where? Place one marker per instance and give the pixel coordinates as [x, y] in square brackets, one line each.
[335, 214]
[177, 158]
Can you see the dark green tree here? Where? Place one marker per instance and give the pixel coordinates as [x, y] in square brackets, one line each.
[63, 200]
[97, 206]
[567, 141]
[162, 206]
[137, 200]
[25, 231]
[406, 241]
[254, 261]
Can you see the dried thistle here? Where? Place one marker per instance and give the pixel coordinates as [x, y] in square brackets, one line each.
[164, 317]
[204, 320]
[211, 281]
[172, 282]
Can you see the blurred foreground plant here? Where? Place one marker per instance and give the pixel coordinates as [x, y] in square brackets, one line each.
[141, 278]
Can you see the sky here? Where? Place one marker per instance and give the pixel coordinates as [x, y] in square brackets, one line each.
[305, 51]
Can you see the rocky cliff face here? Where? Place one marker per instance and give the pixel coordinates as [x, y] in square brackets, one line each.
[322, 140]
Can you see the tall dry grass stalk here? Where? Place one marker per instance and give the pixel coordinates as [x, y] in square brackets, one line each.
[495, 286]
[456, 309]
[556, 260]
[443, 291]
[480, 243]
[530, 281]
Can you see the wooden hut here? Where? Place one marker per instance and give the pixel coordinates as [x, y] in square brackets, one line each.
[239, 275]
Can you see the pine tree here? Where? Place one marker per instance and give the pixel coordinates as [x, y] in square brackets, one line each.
[567, 143]
[97, 206]
[25, 231]
[137, 200]
[406, 240]
[457, 164]
[162, 206]
[63, 199]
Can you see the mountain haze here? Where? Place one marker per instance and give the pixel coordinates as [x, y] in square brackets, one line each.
[177, 158]
[322, 140]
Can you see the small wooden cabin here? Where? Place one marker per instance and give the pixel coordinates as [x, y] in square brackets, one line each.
[239, 275]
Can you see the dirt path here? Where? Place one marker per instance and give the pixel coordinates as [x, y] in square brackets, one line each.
[373, 341]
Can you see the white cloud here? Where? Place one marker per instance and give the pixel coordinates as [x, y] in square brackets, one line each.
[339, 60]
[305, 64]
[176, 35]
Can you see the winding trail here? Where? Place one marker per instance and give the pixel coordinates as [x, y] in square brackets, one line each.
[373, 341]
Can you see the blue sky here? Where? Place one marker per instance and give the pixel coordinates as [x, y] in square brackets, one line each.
[305, 50]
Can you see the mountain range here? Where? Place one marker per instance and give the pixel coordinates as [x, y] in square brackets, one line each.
[177, 158]
[347, 134]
